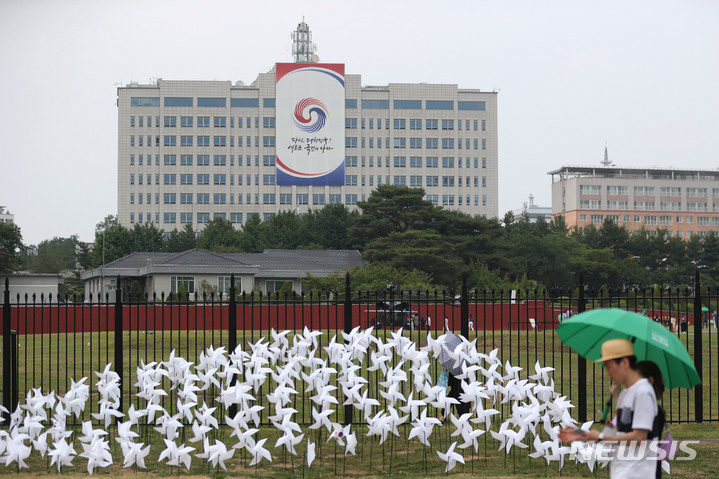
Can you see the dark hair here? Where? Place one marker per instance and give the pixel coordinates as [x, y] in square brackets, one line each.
[632, 361]
[650, 370]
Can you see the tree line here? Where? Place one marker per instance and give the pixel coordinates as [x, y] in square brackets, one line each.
[411, 243]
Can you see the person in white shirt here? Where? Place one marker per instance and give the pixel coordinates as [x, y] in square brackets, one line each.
[636, 410]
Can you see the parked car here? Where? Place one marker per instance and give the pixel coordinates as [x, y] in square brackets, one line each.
[392, 314]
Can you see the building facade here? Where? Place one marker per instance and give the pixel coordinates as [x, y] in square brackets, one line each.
[190, 151]
[682, 202]
[534, 212]
[6, 216]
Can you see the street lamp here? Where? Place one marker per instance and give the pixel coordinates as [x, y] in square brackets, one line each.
[102, 268]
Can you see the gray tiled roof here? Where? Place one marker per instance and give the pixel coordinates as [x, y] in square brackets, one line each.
[193, 257]
[304, 260]
[269, 260]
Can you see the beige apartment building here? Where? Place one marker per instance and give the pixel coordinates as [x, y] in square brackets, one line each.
[682, 201]
[190, 151]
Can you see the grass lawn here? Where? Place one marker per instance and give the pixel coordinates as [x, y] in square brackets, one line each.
[49, 361]
[396, 458]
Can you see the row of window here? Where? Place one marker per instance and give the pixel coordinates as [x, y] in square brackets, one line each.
[367, 104]
[202, 160]
[270, 122]
[269, 160]
[188, 282]
[351, 180]
[646, 205]
[318, 199]
[270, 142]
[415, 124]
[613, 190]
[189, 102]
[270, 199]
[652, 220]
[219, 179]
[429, 143]
[202, 140]
[202, 121]
[417, 161]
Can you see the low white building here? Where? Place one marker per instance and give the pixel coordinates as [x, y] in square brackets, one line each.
[31, 288]
[158, 273]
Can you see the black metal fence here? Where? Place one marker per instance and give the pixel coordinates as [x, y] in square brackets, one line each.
[48, 342]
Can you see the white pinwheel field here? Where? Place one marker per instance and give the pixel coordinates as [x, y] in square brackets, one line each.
[295, 390]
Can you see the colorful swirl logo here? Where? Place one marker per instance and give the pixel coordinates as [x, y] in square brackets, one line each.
[305, 123]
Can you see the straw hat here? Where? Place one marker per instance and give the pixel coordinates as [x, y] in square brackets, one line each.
[616, 348]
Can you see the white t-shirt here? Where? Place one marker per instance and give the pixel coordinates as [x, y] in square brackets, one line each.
[637, 407]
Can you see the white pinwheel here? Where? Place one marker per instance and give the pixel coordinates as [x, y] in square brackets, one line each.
[15, 448]
[175, 454]
[450, 457]
[310, 452]
[218, 454]
[134, 454]
[259, 452]
[422, 427]
[61, 454]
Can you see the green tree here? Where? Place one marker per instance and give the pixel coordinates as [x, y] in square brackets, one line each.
[147, 238]
[425, 251]
[207, 291]
[709, 260]
[286, 230]
[108, 222]
[182, 240]
[391, 209]
[474, 239]
[84, 255]
[219, 235]
[10, 248]
[329, 227]
[252, 236]
[481, 278]
[182, 294]
[376, 277]
[321, 285]
[113, 243]
[54, 256]
[285, 291]
[559, 225]
[137, 295]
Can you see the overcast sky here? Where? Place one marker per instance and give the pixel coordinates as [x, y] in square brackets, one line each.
[641, 76]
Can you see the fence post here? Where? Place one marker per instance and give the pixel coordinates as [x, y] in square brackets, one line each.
[232, 332]
[582, 363]
[464, 308]
[6, 352]
[119, 348]
[232, 317]
[698, 363]
[348, 329]
[15, 368]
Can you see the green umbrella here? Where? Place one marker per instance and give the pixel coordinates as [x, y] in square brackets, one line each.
[705, 309]
[585, 333]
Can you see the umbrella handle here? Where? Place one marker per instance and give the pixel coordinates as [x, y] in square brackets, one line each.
[605, 412]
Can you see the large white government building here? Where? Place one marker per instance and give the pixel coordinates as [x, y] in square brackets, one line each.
[190, 151]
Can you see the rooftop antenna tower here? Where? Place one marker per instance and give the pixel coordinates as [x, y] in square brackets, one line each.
[606, 161]
[303, 50]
